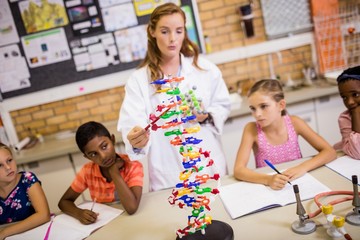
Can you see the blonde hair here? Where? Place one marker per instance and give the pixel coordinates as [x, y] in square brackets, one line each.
[270, 87]
[153, 54]
[3, 146]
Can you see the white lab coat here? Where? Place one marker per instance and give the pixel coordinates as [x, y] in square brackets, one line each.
[164, 160]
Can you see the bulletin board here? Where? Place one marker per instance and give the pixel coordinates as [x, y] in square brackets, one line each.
[83, 40]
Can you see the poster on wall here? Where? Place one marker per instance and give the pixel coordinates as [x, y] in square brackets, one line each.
[108, 3]
[3, 136]
[46, 47]
[145, 7]
[190, 25]
[95, 52]
[131, 43]
[68, 57]
[14, 73]
[38, 15]
[8, 32]
[119, 16]
[84, 16]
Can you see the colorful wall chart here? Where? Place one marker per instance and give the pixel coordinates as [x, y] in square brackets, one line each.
[46, 47]
[190, 25]
[38, 15]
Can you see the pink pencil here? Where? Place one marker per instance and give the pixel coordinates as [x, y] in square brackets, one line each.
[49, 227]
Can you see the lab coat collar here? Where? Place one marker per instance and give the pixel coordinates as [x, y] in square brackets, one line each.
[186, 65]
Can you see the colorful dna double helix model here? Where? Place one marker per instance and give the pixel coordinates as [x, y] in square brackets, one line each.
[195, 189]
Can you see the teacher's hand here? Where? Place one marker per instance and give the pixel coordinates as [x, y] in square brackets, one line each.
[138, 137]
[202, 115]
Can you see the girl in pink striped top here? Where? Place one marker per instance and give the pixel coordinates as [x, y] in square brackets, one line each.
[274, 136]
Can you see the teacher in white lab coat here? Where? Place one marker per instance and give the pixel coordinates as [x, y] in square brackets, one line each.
[170, 52]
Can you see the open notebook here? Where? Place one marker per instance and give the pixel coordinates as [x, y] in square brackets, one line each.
[242, 198]
[345, 166]
[69, 228]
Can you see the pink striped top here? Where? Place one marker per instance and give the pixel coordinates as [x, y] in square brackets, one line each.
[288, 151]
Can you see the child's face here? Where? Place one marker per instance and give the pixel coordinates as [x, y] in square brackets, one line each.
[8, 168]
[264, 108]
[350, 93]
[101, 151]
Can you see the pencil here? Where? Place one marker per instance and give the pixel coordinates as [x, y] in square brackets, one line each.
[49, 227]
[93, 204]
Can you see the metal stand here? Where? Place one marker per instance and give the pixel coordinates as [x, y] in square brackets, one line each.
[303, 225]
[354, 216]
[215, 231]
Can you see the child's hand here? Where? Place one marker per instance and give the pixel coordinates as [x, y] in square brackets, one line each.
[118, 164]
[277, 181]
[355, 110]
[355, 118]
[88, 216]
[294, 172]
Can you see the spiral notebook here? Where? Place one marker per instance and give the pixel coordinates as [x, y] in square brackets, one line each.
[243, 198]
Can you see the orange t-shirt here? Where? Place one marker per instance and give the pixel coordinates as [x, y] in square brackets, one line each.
[90, 177]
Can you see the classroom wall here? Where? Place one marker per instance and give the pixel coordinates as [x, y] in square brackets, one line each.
[221, 22]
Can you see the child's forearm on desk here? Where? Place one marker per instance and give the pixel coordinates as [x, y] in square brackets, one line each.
[323, 157]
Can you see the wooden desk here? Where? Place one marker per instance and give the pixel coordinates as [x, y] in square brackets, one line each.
[157, 219]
